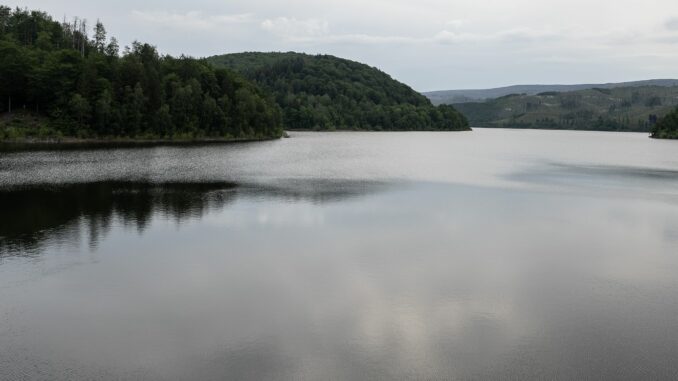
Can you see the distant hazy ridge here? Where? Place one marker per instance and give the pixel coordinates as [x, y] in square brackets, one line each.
[474, 95]
[631, 106]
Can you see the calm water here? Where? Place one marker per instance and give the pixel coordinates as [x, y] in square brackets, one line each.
[494, 254]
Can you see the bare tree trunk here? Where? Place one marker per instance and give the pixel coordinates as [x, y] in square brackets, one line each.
[75, 28]
[83, 42]
[10, 104]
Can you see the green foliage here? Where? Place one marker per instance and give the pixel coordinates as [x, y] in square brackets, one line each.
[82, 87]
[667, 127]
[23, 125]
[326, 93]
[616, 109]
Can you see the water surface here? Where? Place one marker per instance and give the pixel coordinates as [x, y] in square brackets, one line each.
[496, 254]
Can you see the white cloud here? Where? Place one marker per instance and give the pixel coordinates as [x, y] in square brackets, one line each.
[190, 20]
[317, 31]
[528, 35]
[370, 39]
[456, 24]
[293, 29]
[672, 24]
[449, 38]
[512, 35]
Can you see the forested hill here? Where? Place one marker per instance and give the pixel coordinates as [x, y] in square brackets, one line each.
[617, 109]
[57, 80]
[323, 92]
[667, 127]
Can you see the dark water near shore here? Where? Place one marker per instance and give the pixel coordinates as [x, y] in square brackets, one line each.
[495, 254]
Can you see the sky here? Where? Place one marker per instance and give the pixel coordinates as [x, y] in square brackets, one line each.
[428, 44]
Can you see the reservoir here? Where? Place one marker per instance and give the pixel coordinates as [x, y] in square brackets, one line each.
[493, 254]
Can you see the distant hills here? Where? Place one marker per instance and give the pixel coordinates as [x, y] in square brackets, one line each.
[464, 96]
[630, 108]
[322, 92]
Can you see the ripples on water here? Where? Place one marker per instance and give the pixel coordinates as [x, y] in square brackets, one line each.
[487, 255]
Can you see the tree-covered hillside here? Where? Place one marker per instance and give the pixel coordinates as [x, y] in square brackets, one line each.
[325, 92]
[667, 127]
[56, 80]
[616, 109]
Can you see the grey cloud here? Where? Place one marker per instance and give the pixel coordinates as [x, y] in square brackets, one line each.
[669, 39]
[430, 44]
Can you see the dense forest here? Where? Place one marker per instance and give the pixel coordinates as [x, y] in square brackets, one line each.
[324, 93]
[57, 81]
[667, 127]
[600, 109]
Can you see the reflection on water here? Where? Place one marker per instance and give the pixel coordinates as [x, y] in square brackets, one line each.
[55, 213]
[33, 215]
[370, 266]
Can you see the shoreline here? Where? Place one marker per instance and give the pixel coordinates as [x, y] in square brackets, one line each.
[75, 143]
[368, 130]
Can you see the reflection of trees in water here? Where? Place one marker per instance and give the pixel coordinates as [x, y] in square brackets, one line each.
[32, 216]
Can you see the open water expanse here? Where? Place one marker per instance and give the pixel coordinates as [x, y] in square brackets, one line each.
[493, 254]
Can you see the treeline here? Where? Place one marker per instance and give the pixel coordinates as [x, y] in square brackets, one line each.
[66, 83]
[324, 92]
[667, 127]
[505, 113]
[590, 124]
[617, 109]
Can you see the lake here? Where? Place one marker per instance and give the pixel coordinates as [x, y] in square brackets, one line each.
[493, 254]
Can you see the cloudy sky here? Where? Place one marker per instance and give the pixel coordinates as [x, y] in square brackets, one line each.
[428, 44]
